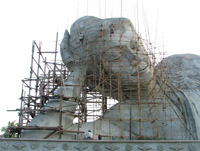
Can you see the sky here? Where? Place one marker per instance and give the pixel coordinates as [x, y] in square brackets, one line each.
[173, 26]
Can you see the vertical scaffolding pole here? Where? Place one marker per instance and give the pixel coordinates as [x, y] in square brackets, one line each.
[31, 72]
[54, 70]
[60, 117]
[20, 114]
[38, 69]
[130, 129]
[138, 91]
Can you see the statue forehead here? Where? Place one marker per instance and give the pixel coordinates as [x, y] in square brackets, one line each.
[91, 21]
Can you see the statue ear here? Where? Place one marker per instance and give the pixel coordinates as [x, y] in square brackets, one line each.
[65, 42]
[65, 48]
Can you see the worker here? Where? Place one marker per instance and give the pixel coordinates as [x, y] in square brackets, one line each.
[88, 135]
[101, 30]
[41, 88]
[81, 36]
[111, 30]
[99, 137]
[42, 95]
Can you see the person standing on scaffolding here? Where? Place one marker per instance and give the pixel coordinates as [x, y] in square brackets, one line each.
[101, 30]
[41, 92]
[111, 30]
[81, 36]
[88, 135]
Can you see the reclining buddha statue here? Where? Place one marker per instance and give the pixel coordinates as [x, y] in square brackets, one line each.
[155, 101]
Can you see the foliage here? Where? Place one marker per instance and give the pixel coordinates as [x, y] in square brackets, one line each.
[7, 133]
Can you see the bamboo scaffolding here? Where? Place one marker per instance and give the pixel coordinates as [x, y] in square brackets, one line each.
[96, 93]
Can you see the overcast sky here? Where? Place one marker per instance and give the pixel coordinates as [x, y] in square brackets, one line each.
[172, 25]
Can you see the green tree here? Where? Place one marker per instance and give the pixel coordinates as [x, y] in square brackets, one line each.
[7, 133]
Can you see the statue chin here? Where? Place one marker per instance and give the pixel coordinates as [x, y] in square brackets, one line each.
[106, 56]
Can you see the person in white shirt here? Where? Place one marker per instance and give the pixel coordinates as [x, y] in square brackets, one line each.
[81, 36]
[88, 135]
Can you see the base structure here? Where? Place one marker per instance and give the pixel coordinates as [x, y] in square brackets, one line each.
[96, 145]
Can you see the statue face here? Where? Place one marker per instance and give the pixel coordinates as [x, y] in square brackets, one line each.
[109, 43]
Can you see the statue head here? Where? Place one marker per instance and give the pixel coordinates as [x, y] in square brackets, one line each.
[111, 51]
